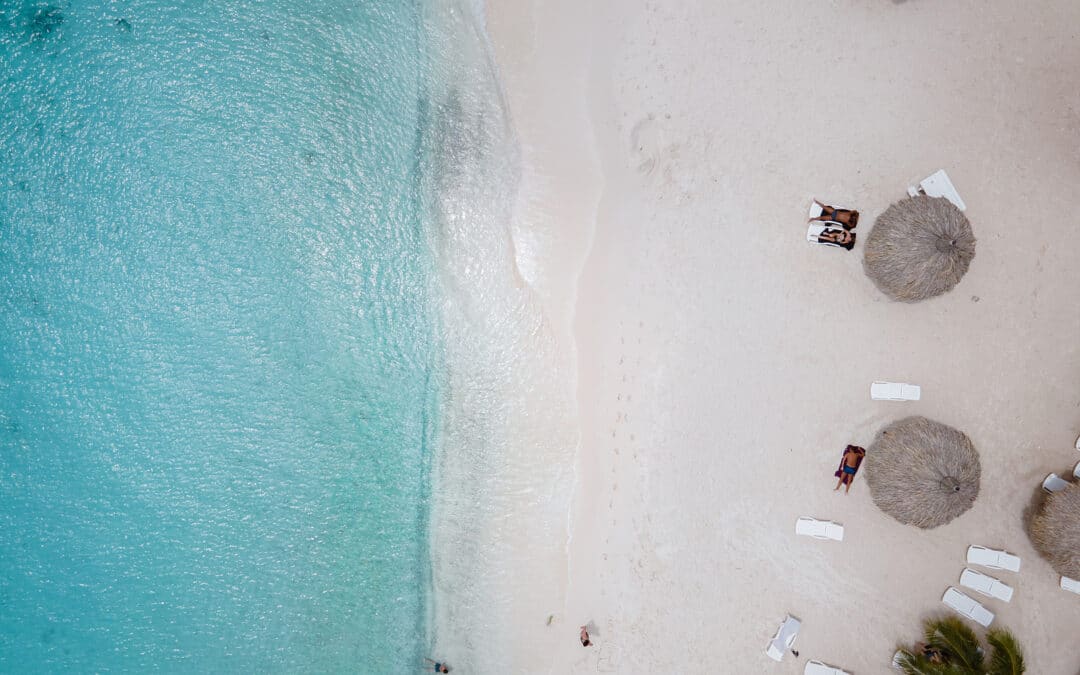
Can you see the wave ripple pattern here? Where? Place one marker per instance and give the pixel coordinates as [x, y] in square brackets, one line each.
[217, 346]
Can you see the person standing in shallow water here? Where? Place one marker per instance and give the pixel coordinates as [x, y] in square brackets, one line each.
[436, 666]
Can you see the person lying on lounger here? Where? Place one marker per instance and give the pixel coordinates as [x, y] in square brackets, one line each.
[831, 235]
[841, 238]
[849, 466]
[847, 218]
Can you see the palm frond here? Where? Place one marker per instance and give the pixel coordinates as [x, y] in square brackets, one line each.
[953, 637]
[1007, 657]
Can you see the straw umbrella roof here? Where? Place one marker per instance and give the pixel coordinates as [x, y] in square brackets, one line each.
[919, 248]
[1055, 531]
[922, 472]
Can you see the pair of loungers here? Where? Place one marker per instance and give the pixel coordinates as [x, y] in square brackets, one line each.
[981, 583]
[1054, 483]
[832, 232]
[789, 628]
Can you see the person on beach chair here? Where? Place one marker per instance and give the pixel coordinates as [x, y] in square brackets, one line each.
[831, 234]
[846, 218]
[849, 466]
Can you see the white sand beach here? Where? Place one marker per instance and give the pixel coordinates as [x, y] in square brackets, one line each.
[671, 149]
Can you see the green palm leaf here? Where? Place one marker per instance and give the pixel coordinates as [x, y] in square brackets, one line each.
[958, 641]
[1007, 658]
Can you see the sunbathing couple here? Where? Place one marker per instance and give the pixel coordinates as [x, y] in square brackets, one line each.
[832, 226]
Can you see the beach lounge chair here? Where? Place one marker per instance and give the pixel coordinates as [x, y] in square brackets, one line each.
[895, 391]
[815, 230]
[988, 557]
[819, 668]
[967, 608]
[938, 184]
[819, 529]
[1070, 584]
[1078, 442]
[1076, 471]
[987, 585]
[1054, 483]
[784, 638]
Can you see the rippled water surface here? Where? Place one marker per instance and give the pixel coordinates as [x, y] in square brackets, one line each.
[217, 347]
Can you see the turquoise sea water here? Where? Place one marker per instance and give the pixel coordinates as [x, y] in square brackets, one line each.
[218, 354]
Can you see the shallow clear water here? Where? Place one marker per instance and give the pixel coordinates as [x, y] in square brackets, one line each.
[218, 353]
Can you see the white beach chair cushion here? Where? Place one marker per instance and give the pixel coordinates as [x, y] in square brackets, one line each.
[1054, 483]
[988, 557]
[938, 184]
[819, 668]
[967, 607]
[784, 638]
[819, 529]
[1070, 584]
[986, 585]
[894, 391]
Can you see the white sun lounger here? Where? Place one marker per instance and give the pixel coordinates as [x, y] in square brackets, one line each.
[819, 668]
[819, 529]
[1076, 471]
[987, 585]
[938, 184]
[967, 608]
[1070, 584]
[1078, 442]
[895, 391]
[1054, 483]
[784, 638]
[988, 557]
[814, 230]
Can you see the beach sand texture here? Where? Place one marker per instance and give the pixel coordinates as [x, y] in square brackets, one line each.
[724, 363]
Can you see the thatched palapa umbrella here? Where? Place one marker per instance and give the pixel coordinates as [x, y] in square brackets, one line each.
[1055, 531]
[920, 247]
[922, 472]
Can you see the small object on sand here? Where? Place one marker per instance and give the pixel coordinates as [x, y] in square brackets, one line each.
[551, 617]
[585, 641]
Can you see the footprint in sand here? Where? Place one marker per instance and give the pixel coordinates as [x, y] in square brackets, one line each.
[646, 145]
